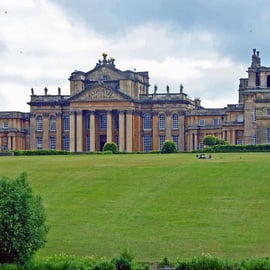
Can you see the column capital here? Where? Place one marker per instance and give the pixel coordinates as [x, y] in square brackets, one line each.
[130, 111]
[121, 112]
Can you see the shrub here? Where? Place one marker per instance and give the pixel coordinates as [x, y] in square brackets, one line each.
[22, 221]
[169, 147]
[110, 146]
[124, 261]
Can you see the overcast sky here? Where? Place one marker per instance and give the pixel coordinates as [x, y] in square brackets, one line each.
[206, 45]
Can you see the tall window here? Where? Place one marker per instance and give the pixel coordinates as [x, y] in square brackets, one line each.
[5, 125]
[175, 123]
[176, 140]
[66, 123]
[201, 122]
[66, 143]
[147, 143]
[117, 140]
[87, 122]
[52, 123]
[216, 122]
[87, 143]
[52, 143]
[116, 123]
[268, 135]
[103, 121]
[39, 123]
[39, 143]
[161, 141]
[162, 121]
[147, 121]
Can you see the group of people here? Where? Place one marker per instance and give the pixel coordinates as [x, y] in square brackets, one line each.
[203, 156]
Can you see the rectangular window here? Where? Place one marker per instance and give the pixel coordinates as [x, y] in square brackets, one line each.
[201, 122]
[52, 143]
[201, 145]
[147, 143]
[176, 140]
[5, 125]
[66, 123]
[175, 123]
[87, 143]
[39, 143]
[162, 121]
[239, 141]
[66, 143]
[268, 135]
[216, 122]
[161, 141]
[103, 121]
[117, 140]
[268, 112]
[147, 122]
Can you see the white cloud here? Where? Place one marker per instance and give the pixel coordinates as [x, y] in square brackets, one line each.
[42, 45]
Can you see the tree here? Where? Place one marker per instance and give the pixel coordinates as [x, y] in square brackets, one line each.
[210, 140]
[110, 146]
[22, 220]
[169, 147]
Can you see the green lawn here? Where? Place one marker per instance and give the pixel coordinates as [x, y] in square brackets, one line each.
[156, 205]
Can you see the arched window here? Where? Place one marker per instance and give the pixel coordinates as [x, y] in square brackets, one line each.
[268, 81]
[162, 121]
[175, 123]
[39, 123]
[52, 123]
[147, 121]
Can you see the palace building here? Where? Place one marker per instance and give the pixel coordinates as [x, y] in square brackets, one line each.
[106, 104]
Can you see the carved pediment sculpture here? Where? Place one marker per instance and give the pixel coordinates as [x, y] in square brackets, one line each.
[99, 93]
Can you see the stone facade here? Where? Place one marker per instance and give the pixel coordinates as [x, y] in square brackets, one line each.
[109, 105]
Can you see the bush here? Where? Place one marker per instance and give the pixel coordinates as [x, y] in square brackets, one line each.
[169, 147]
[124, 261]
[110, 146]
[22, 221]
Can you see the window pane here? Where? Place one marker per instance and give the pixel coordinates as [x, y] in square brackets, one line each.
[39, 123]
[175, 124]
[52, 143]
[52, 123]
[147, 143]
[162, 121]
[147, 121]
[161, 141]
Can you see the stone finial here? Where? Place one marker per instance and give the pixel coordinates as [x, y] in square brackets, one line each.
[104, 58]
[181, 88]
[256, 60]
[46, 91]
[155, 89]
[59, 91]
[168, 89]
[32, 91]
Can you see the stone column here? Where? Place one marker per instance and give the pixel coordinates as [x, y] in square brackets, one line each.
[46, 128]
[129, 130]
[121, 131]
[168, 126]
[233, 137]
[195, 141]
[79, 131]
[109, 126]
[9, 138]
[155, 129]
[72, 132]
[59, 131]
[92, 132]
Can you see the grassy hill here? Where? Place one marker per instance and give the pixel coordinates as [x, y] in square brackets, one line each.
[155, 205]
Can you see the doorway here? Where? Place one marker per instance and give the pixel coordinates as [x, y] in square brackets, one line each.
[102, 141]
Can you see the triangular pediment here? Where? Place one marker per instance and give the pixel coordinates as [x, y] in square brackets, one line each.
[100, 93]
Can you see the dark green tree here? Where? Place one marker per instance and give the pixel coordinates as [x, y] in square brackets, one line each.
[110, 146]
[169, 147]
[211, 140]
[23, 226]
